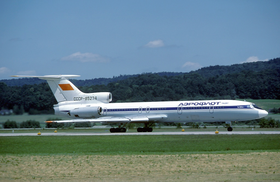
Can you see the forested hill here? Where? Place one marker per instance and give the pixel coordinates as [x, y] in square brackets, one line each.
[207, 72]
[212, 71]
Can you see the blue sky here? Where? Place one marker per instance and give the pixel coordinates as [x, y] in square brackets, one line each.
[106, 38]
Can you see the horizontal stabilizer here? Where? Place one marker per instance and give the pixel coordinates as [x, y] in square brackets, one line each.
[48, 77]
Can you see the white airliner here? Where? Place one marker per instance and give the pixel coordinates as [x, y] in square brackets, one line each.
[96, 107]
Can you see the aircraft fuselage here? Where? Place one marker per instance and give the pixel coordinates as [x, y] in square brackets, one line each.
[173, 111]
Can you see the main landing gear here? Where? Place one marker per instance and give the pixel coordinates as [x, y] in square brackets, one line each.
[117, 130]
[120, 129]
[123, 130]
[146, 128]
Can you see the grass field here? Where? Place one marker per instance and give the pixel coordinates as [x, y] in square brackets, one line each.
[257, 166]
[141, 158]
[137, 145]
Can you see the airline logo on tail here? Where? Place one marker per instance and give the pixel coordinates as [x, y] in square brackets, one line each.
[65, 87]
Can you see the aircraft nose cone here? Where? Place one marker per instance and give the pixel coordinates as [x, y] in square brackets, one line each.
[262, 113]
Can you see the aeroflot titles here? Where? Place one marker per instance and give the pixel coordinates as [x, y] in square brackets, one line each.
[181, 104]
[199, 103]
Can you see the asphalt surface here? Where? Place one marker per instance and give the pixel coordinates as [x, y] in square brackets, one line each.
[142, 133]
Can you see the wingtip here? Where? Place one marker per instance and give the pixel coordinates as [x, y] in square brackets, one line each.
[49, 121]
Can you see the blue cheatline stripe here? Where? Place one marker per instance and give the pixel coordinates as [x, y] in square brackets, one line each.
[180, 108]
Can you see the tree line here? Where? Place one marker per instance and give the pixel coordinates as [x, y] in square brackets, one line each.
[24, 124]
[259, 80]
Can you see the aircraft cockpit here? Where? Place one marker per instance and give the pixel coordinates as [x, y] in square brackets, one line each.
[257, 107]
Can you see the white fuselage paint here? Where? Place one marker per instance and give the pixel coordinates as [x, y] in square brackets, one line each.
[175, 111]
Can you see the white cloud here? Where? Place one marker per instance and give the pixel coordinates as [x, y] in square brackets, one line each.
[85, 57]
[191, 66]
[4, 70]
[155, 44]
[27, 72]
[253, 59]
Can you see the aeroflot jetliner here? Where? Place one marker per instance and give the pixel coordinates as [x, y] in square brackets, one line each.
[96, 107]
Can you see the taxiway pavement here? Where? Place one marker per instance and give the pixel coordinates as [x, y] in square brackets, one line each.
[142, 133]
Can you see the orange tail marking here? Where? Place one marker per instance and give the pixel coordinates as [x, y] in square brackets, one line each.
[49, 121]
[66, 87]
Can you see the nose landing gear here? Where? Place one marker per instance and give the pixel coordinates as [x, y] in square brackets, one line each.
[228, 125]
[229, 128]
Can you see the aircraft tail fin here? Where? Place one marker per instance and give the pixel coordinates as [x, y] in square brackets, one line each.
[62, 88]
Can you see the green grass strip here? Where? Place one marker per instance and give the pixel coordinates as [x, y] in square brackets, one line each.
[111, 145]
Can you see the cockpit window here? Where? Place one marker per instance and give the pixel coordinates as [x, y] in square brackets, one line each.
[257, 107]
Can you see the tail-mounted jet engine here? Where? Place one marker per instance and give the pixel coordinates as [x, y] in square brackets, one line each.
[86, 112]
[105, 97]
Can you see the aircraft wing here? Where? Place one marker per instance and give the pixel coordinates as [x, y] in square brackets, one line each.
[131, 119]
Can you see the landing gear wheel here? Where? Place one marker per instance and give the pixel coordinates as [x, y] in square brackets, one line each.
[229, 128]
[139, 129]
[114, 130]
[144, 129]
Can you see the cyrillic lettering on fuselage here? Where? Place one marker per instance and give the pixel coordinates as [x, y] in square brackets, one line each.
[199, 103]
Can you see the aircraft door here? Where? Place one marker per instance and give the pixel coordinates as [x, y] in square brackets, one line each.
[148, 109]
[105, 111]
[140, 110]
[179, 110]
[211, 109]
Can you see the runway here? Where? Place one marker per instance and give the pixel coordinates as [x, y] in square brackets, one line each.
[143, 133]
